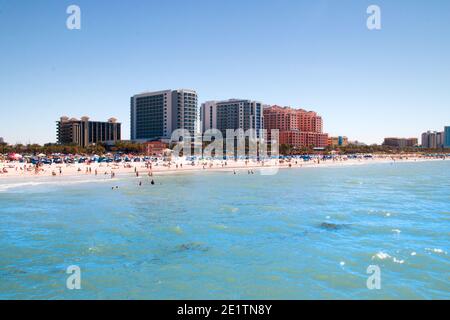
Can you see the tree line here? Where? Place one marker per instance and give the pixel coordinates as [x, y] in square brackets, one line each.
[286, 149]
[52, 148]
[138, 148]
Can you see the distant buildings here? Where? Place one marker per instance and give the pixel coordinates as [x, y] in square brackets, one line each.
[340, 141]
[447, 137]
[436, 139]
[155, 115]
[1, 140]
[433, 139]
[85, 132]
[297, 127]
[440, 139]
[429, 140]
[401, 142]
[232, 114]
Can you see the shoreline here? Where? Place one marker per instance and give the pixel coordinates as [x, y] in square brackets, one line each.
[108, 172]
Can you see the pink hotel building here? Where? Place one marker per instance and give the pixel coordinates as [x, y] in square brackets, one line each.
[298, 127]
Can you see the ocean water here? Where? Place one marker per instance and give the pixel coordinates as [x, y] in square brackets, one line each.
[302, 234]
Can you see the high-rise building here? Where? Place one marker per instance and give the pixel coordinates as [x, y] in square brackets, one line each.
[232, 114]
[440, 137]
[208, 115]
[401, 142]
[298, 127]
[155, 115]
[85, 132]
[447, 137]
[429, 140]
[1, 140]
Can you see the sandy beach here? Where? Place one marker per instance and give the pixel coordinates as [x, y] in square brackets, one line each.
[111, 170]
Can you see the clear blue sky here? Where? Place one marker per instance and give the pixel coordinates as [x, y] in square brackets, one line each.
[316, 55]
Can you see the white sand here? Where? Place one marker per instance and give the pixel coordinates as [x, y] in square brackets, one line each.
[16, 169]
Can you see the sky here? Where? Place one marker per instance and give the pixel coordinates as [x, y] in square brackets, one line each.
[317, 55]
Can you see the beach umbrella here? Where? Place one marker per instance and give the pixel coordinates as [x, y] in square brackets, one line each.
[41, 155]
[14, 156]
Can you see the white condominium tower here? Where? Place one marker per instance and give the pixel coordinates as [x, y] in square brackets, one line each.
[232, 114]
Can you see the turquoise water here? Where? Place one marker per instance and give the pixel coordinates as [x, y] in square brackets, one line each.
[301, 234]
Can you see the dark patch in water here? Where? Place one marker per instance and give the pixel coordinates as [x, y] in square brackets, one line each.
[192, 246]
[12, 270]
[332, 226]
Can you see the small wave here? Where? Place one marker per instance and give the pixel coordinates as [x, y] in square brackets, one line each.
[436, 250]
[398, 261]
[8, 186]
[5, 187]
[381, 255]
[385, 256]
